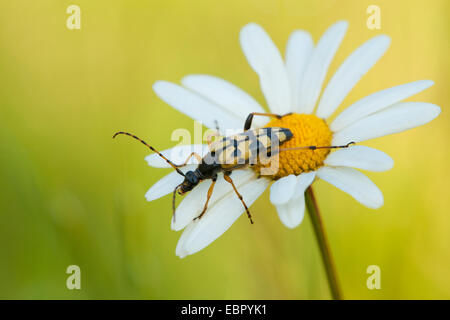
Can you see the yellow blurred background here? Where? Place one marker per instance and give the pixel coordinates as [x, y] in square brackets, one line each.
[72, 195]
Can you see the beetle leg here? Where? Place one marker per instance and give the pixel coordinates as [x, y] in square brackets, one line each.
[209, 137]
[210, 191]
[214, 134]
[228, 179]
[196, 155]
[248, 122]
[217, 126]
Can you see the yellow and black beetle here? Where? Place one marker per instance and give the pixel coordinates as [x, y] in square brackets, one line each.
[229, 153]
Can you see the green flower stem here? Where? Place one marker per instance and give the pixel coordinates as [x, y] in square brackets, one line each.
[319, 231]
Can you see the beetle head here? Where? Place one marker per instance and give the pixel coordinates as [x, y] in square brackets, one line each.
[190, 181]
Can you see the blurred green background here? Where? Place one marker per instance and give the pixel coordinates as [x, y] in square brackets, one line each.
[72, 195]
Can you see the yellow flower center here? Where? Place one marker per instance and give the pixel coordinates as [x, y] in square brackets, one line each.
[307, 130]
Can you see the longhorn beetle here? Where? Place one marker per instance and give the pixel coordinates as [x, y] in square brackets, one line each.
[228, 153]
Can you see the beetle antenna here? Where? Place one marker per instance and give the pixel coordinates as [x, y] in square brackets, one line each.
[151, 148]
[173, 200]
[316, 147]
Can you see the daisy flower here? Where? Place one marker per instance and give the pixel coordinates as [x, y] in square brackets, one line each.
[293, 85]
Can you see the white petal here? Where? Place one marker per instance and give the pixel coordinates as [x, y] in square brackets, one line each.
[360, 157]
[376, 102]
[298, 51]
[354, 183]
[291, 213]
[166, 184]
[318, 64]
[219, 218]
[195, 106]
[177, 155]
[304, 180]
[397, 118]
[226, 95]
[192, 204]
[282, 190]
[265, 59]
[349, 73]
[180, 250]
